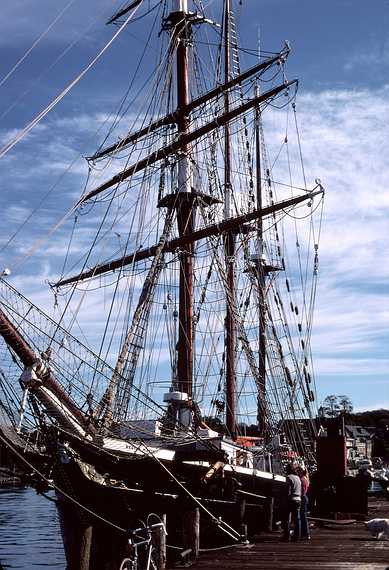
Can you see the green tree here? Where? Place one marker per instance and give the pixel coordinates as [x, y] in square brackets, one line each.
[345, 404]
[331, 407]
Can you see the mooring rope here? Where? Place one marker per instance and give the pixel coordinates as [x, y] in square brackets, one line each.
[236, 536]
[56, 488]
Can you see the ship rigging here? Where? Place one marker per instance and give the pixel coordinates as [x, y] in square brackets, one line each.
[186, 266]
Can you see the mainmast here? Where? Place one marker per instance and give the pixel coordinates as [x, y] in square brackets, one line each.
[184, 199]
[230, 344]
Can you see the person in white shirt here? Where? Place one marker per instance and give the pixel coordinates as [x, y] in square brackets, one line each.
[292, 513]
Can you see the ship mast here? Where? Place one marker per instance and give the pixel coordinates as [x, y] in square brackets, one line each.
[230, 343]
[184, 201]
[261, 275]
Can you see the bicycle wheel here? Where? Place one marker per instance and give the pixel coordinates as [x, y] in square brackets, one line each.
[128, 564]
[153, 561]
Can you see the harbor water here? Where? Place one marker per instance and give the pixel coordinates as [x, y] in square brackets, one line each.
[29, 531]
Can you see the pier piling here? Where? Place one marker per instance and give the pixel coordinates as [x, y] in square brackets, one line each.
[191, 531]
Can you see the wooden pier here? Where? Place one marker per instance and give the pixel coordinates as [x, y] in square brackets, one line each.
[332, 547]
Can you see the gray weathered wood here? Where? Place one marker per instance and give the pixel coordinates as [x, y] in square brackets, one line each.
[344, 547]
[85, 547]
[269, 510]
[191, 531]
[159, 540]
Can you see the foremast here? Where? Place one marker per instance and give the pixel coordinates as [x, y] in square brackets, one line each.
[184, 201]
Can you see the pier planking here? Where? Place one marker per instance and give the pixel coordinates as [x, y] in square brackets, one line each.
[331, 547]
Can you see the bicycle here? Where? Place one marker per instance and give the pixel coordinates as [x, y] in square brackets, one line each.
[142, 537]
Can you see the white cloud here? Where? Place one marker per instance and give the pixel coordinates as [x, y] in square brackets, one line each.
[338, 366]
[345, 143]
[373, 54]
[375, 405]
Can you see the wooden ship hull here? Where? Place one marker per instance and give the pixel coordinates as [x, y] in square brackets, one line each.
[101, 495]
[105, 484]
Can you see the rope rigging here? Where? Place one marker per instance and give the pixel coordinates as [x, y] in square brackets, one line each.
[138, 311]
[23, 132]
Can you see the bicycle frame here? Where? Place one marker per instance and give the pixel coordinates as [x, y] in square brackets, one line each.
[136, 540]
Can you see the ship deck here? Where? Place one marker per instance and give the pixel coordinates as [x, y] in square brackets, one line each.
[332, 547]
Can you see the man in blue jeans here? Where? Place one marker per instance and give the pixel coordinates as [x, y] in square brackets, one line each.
[292, 513]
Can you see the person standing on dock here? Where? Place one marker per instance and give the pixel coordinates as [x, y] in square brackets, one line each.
[292, 513]
[303, 474]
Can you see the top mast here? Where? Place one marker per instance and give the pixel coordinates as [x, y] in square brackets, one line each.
[182, 32]
[229, 242]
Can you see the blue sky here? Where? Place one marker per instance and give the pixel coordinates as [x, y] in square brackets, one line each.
[341, 56]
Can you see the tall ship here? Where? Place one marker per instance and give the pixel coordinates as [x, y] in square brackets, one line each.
[177, 372]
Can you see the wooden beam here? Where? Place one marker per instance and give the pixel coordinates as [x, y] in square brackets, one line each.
[124, 11]
[172, 117]
[184, 140]
[27, 356]
[214, 229]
